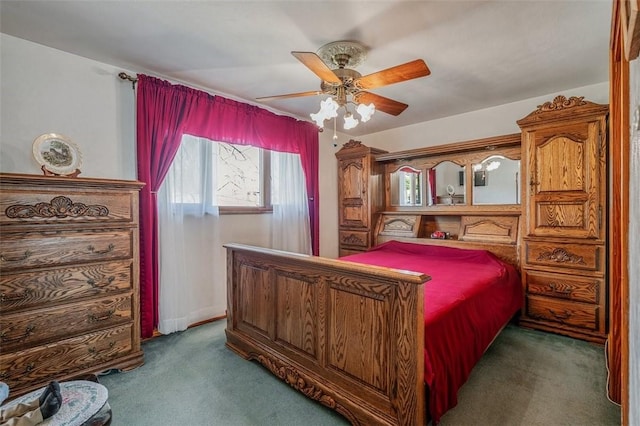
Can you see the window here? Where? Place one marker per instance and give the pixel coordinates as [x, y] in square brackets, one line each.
[242, 176]
[233, 177]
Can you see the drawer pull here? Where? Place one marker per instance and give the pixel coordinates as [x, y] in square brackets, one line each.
[105, 316]
[554, 289]
[15, 297]
[94, 351]
[105, 283]
[29, 367]
[27, 332]
[109, 249]
[24, 257]
[560, 316]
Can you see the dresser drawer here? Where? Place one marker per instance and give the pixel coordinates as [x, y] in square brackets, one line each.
[27, 329]
[29, 289]
[354, 238]
[563, 312]
[569, 287]
[572, 256]
[60, 248]
[41, 364]
[48, 206]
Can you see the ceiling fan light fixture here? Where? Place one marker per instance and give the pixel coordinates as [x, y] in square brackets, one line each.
[365, 111]
[349, 121]
[328, 109]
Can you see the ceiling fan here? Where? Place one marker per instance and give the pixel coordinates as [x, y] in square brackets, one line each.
[334, 64]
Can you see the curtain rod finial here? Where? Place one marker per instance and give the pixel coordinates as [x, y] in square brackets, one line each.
[125, 76]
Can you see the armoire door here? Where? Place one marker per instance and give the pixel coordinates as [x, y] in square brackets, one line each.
[353, 184]
[565, 199]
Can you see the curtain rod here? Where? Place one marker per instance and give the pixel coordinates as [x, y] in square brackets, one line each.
[125, 76]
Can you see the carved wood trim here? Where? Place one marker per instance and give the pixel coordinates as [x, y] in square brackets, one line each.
[561, 102]
[59, 207]
[352, 144]
[487, 144]
[400, 225]
[560, 255]
[489, 229]
[300, 382]
[561, 109]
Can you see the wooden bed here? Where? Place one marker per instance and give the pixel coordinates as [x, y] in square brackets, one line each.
[350, 336]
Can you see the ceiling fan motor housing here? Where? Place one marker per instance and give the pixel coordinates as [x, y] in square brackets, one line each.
[347, 76]
[343, 54]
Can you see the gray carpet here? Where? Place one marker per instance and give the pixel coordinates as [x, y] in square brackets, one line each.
[525, 378]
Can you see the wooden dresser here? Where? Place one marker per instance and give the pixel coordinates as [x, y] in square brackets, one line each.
[565, 206]
[360, 196]
[69, 271]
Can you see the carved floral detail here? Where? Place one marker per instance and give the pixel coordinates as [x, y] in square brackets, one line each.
[297, 381]
[353, 239]
[59, 207]
[559, 255]
[352, 144]
[561, 102]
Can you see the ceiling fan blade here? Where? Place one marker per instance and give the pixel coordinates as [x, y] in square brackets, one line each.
[317, 65]
[382, 104]
[397, 74]
[290, 95]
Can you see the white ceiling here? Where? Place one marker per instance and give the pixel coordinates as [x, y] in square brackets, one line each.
[481, 53]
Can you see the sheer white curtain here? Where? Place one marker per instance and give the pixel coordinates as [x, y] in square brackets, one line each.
[188, 191]
[290, 229]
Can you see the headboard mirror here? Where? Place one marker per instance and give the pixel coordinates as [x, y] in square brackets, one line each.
[406, 187]
[446, 179]
[496, 180]
[478, 172]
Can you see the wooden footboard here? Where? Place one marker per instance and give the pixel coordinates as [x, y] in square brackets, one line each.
[349, 336]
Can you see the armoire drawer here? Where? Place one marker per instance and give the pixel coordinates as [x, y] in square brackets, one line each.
[61, 248]
[27, 329]
[572, 256]
[561, 286]
[40, 364]
[572, 314]
[44, 205]
[28, 289]
[354, 238]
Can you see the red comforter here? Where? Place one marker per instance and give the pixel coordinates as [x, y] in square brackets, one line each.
[471, 295]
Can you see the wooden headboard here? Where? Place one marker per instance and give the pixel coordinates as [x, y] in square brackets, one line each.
[496, 232]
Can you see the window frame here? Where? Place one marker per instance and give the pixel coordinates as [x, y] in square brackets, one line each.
[265, 187]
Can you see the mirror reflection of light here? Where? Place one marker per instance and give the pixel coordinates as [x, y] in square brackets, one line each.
[488, 164]
[492, 165]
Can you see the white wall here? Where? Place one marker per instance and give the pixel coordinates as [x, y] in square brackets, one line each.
[48, 91]
[498, 120]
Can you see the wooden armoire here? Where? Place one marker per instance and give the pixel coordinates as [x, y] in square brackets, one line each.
[360, 196]
[564, 207]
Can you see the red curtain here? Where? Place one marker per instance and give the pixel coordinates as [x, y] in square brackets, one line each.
[165, 112]
[432, 185]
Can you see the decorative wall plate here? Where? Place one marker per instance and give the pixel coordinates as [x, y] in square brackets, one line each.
[57, 154]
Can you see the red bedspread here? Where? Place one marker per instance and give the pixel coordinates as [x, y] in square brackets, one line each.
[471, 295]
